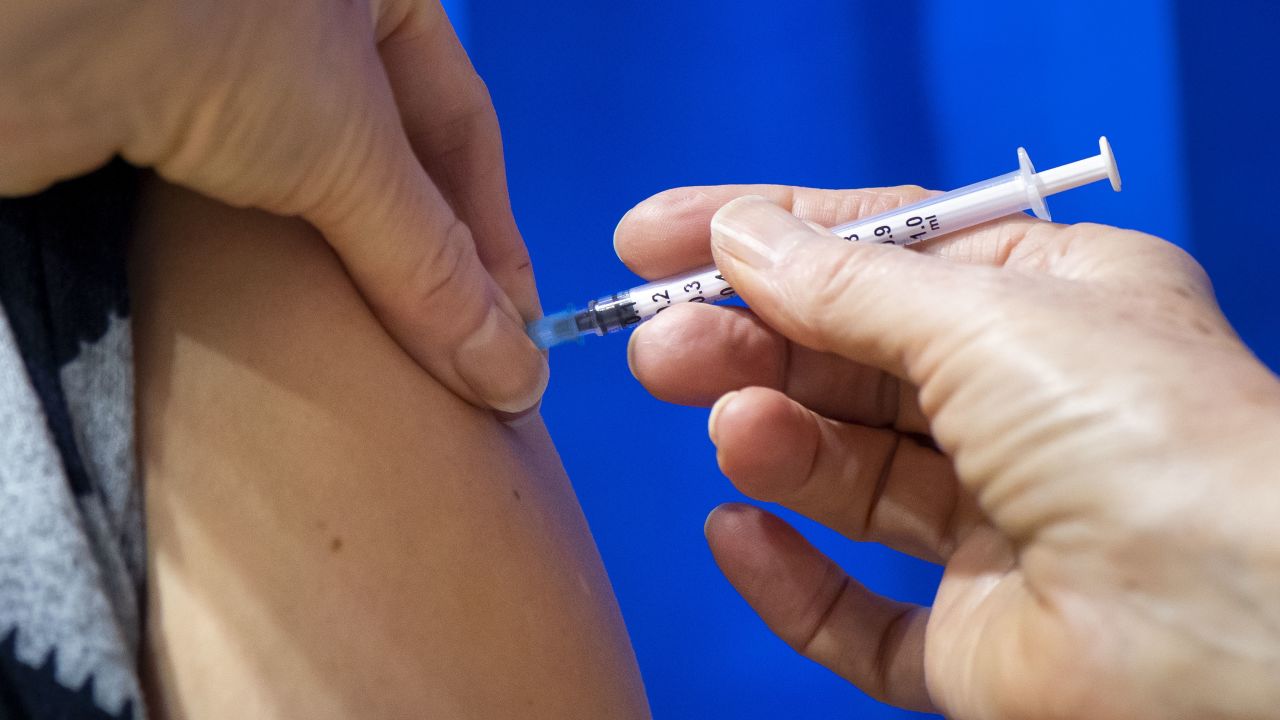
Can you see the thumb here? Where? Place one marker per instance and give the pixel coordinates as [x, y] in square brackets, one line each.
[880, 305]
[306, 124]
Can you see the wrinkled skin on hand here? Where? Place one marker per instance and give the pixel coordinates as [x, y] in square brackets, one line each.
[1059, 414]
[364, 118]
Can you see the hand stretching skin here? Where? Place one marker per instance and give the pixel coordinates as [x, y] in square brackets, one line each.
[1059, 414]
[364, 118]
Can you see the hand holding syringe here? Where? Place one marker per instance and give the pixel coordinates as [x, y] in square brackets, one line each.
[1020, 190]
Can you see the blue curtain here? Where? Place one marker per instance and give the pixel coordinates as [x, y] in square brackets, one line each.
[604, 103]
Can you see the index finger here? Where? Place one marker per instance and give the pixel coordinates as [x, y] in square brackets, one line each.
[451, 123]
[671, 231]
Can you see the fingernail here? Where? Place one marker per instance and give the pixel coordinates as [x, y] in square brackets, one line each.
[755, 232]
[732, 511]
[631, 351]
[501, 365]
[707, 522]
[515, 421]
[615, 232]
[638, 337]
[715, 413]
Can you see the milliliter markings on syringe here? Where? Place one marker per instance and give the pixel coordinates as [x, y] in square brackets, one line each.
[1022, 189]
[922, 226]
[693, 291]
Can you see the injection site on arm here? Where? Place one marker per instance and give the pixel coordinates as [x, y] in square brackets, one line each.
[1019, 191]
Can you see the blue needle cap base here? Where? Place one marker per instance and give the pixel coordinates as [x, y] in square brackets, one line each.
[554, 329]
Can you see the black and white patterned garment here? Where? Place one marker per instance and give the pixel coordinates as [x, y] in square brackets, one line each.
[71, 520]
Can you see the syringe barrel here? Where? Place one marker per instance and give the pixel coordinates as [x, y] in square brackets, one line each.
[947, 213]
[631, 307]
[704, 285]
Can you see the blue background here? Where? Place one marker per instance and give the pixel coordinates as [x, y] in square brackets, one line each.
[606, 102]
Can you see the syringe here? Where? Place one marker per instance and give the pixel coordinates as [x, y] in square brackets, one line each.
[1018, 191]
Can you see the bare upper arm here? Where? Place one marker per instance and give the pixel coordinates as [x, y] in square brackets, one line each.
[331, 533]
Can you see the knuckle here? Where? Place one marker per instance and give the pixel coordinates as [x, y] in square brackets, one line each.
[397, 18]
[1095, 236]
[442, 270]
[891, 198]
[1125, 252]
[816, 613]
[482, 97]
[908, 193]
[468, 118]
[844, 205]
[1041, 233]
[1029, 246]
[1178, 271]
[1142, 244]
[518, 261]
